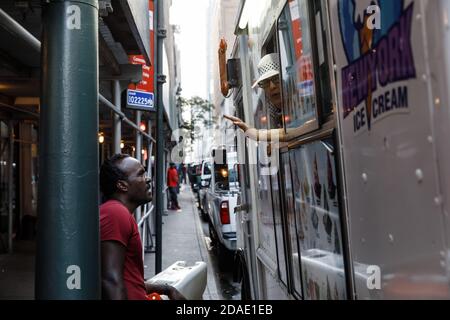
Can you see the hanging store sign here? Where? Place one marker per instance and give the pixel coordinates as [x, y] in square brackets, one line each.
[141, 96]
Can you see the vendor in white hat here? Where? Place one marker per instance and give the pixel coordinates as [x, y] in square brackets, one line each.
[269, 80]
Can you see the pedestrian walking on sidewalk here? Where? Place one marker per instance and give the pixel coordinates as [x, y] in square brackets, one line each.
[183, 173]
[125, 185]
[172, 184]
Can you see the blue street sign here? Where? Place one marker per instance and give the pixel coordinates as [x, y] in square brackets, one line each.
[140, 100]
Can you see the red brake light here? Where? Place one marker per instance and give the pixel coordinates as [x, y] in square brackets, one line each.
[224, 213]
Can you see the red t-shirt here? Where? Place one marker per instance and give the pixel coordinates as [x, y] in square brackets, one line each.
[172, 178]
[117, 224]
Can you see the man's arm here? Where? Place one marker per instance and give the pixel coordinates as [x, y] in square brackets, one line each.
[113, 260]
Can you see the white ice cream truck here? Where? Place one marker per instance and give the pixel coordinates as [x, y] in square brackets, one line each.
[358, 208]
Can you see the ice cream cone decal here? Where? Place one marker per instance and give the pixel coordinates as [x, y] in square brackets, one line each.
[317, 290]
[327, 223]
[325, 200]
[317, 185]
[303, 200]
[311, 286]
[296, 183]
[328, 290]
[301, 233]
[331, 185]
[315, 217]
[337, 245]
[306, 188]
[304, 221]
[336, 294]
[306, 280]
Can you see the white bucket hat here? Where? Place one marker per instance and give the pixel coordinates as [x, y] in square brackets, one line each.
[268, 67]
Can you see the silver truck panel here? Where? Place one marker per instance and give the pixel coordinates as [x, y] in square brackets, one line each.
[392, 178]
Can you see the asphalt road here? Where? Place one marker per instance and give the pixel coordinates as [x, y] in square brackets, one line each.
[226, 287]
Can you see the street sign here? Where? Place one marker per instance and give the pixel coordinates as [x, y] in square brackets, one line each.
[140, 100]
[140, 96]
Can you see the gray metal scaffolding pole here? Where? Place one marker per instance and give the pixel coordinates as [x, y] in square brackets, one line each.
[150, 152]
[10, 186]
[160, 34]
[68, 252]
[150, 175]
[139, 156]
[117, 130]
[138, 137]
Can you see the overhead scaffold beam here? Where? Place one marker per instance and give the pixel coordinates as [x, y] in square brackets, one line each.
[14, 28]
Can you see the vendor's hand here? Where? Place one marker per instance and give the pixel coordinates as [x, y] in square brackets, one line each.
[238, 122]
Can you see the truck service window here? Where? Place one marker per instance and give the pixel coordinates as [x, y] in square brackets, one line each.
[297, 69]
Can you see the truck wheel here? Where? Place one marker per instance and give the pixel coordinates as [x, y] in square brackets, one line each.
[204, 216]
[212, 235]
[224, 257]
[245, 287]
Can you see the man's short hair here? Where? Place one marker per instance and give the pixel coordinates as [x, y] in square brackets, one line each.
[110, 174]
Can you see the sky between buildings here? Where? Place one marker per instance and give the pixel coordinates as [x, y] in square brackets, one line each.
[191, 17]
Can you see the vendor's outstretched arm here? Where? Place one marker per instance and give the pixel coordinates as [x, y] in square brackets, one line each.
[259, 134]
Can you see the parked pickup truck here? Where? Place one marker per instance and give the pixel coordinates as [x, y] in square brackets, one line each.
[219, 203]
[194, 173]
[205, 180]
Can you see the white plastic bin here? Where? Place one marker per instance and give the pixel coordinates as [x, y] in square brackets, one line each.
[188, 280]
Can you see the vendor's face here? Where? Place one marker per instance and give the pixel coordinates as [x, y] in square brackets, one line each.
[272, 89]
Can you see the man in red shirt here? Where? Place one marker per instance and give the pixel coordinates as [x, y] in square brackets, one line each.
[125, 185]
[172, 184]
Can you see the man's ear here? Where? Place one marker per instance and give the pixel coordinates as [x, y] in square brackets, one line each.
[122, 186]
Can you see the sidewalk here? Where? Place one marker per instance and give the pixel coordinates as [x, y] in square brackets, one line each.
[17, 272]
[183, 240]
